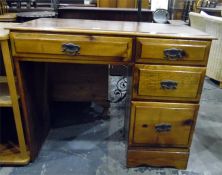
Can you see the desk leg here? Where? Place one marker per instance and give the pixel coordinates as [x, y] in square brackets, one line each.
[32, 88]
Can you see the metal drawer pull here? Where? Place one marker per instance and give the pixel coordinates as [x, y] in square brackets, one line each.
[168, 84]
[70, 49]
[163, 127]
[174, 54]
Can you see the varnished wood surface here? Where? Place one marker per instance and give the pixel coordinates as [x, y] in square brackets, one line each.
[65, 80]
[121, 3]
[106, 3]
[3, 32]
[148, 78]
[10, 155]
[41, 40]
[158, 46]
[7, 156]
[5, 99]
[111, 28]
[126, 3]
[145, 116]
[90, 46]
[34, 97]
[8, 17]
[176, 158]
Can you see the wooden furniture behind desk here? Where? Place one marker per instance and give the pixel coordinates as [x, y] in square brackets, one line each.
[121, 3]
[112, 14]
[11, 152]
[168, 65]
[213, 11]
[5, 16]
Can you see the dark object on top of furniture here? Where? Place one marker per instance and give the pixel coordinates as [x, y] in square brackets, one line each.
[188, 7]
[113, 14]
[139, 7]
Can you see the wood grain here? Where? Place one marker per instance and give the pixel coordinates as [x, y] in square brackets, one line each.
[51, 44]
[106, 3]
[126, 3]
[145, 116]
[176, 158]
[148, 78]
[117, 28]
[78, 82]
[151, 50]
[116, 42]
[23, 157]
[33, 91]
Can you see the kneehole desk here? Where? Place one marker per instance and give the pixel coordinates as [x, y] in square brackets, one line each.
[168, 64]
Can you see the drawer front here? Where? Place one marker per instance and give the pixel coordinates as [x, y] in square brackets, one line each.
[176, 158]
[72, 46]
[164, 124]
[168, 82]
[172, 51]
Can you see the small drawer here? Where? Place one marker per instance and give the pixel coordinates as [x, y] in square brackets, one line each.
[79, 47]
[162, 124]
[172, 51]
[168, 82]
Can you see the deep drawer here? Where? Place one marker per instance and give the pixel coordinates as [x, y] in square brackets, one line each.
[162, 124]
[168, 82]
[172, 51]
[84, 47]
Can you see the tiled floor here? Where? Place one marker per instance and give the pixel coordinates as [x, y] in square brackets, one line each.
[206, 150]
[98, 147]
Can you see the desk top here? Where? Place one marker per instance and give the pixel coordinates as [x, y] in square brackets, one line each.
[111, 28]
[4, 32]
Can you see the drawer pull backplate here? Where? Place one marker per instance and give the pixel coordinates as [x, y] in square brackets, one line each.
[174, 54]
[168, 84]
[70, 49]
[163, 127]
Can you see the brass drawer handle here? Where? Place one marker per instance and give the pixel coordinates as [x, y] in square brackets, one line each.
[174, 54]
[163, 127]
[169, 84]
[70, 49]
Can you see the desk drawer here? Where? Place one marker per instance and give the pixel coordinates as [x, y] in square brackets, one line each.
[168, 82]
[163, 124]
[172, 51]
[158, 157]
[84, 47]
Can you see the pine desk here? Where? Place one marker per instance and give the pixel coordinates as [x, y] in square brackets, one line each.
[168, 66]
